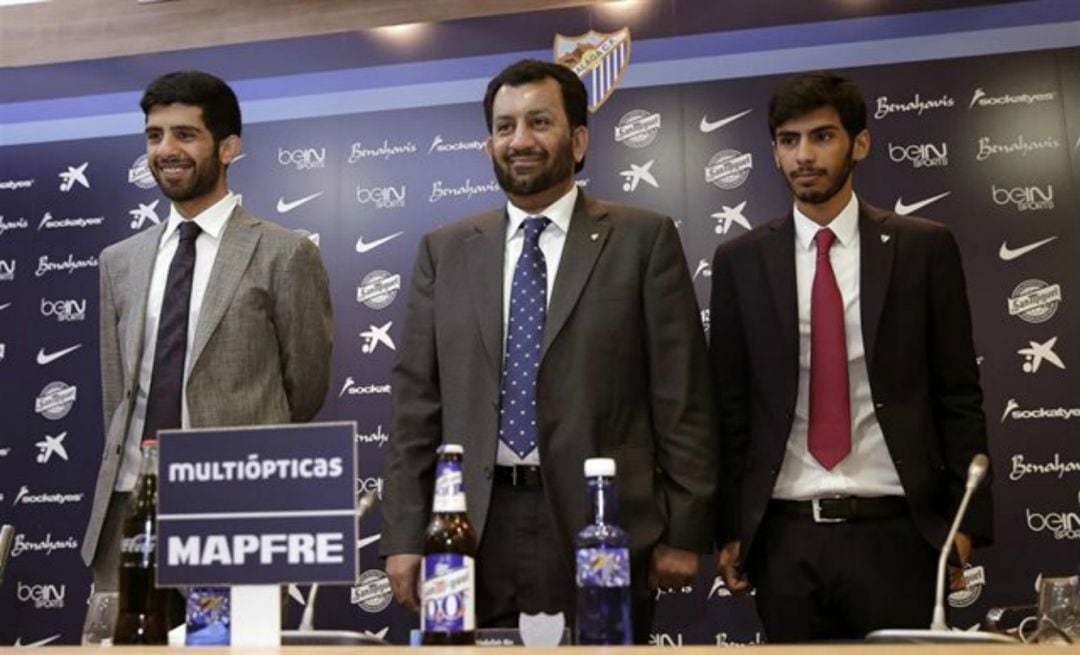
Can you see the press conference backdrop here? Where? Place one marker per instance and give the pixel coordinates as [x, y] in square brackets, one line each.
[977, 129]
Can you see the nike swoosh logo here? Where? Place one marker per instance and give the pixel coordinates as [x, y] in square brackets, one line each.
[362, 247]
[367, 541]
[5, 306]
[707, 127]
[903, 209]
[284, 207]
[19, 644]
[1008, 254]
[44, 359]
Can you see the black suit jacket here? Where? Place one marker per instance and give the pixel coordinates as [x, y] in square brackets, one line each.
[623, 374]
[920, 356]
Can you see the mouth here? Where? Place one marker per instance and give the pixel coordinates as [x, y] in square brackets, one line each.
[807, 176]
[172, 170]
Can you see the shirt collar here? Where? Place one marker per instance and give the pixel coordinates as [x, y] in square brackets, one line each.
[211, 220]
[558, 212]
[845, 225]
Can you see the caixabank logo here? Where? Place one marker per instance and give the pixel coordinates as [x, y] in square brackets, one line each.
[1064, 523]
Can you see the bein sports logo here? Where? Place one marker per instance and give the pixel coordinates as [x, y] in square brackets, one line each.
[1026, 198]
[1063, 525]
[43, 596]
[385, 197]
[64, 311]
[921, 155]
[303, 159]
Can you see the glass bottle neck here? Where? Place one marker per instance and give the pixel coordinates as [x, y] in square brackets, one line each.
[603, 507]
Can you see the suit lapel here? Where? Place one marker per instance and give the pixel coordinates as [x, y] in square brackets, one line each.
[778, 254]
[141, 271]
[589, 230]
[484, 253]
[877, 248]
[237, 246]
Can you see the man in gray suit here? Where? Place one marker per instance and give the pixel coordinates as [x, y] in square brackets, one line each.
[615, 366]
[213, 318]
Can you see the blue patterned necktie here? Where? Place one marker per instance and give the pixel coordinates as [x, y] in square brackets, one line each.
[167, 380]
[524, 336]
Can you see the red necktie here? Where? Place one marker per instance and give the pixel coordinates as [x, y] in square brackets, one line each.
[829, 437]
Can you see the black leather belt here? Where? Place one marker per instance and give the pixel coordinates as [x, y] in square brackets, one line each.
[521, 475]
[839, 510]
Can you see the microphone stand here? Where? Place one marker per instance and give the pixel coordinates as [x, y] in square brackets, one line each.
[939, 630]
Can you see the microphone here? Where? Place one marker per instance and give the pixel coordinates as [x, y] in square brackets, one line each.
[975, 474]
[307, 620]
[7, 537]
[939, 631]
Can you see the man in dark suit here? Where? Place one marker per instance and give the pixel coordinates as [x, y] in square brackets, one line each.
[847, 390]
[212, 318]
[619, 369]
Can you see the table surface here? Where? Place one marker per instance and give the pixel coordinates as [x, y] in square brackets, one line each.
[827, 649]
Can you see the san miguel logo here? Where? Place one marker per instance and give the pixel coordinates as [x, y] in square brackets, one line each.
[599, 59]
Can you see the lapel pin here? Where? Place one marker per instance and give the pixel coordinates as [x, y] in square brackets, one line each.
[594, 236]
[885, 238]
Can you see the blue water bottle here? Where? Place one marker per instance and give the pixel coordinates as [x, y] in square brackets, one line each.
[603, 563]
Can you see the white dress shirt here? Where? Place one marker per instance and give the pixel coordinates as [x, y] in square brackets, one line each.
[552, 240]
[212, 222]
[868, 469]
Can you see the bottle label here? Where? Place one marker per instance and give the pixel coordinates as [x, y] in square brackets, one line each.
[141, 544]
[448, 593]
[449, 488]
[603, 567]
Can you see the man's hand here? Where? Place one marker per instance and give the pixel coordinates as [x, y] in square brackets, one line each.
[672, 567]
[956, 573]
[404, 574]
[727, 565]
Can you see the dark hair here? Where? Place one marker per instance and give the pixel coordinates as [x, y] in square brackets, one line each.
[808, 92]
[575, 100]
[220, 109]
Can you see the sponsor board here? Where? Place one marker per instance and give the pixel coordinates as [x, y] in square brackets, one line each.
[302, 159]
[637, 128]
[372, 592]
[352, 388]
[55, 400]
[378, 437]
[884, 107]
[384, 150]
[920, 155]
[982, 99]
[1034, 300]
[729, 169]
[1055, 466]
[1015, 412]
[463, 191]
[69, 265]
[378, 289]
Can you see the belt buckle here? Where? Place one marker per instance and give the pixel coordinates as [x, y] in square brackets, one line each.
[815, 504]
[514, 475]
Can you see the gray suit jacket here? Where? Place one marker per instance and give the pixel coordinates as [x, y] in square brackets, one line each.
[623, 374]
[261, 353]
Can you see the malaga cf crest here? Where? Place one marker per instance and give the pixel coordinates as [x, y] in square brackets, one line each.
[598, 59]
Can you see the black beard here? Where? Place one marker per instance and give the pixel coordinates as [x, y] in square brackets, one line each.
[821, 197]
[561, 169]
[202, 183]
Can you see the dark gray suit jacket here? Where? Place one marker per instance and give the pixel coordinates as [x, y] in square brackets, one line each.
[261, 352]
[623, 374]
[916, 328]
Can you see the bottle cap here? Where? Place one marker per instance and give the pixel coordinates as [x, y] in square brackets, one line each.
[451, 449]
[152, 443]
[599, 466]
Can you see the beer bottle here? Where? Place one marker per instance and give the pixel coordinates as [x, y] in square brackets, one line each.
[448, 572]
[603, 563]
[143, 615]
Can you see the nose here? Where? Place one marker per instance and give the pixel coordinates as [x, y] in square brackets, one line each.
[523, 137]
[804, 151]
[166, 145]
